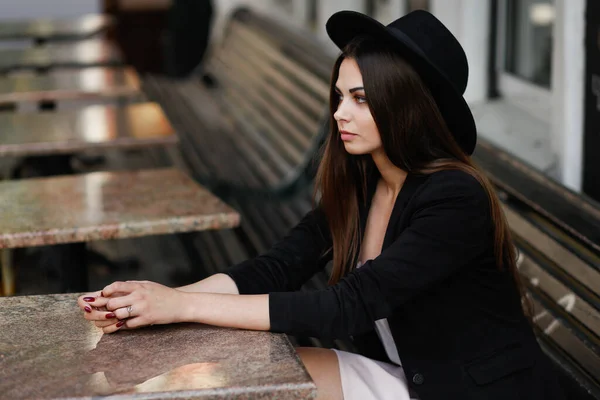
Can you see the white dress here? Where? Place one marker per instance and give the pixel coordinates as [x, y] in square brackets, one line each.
[364, 378]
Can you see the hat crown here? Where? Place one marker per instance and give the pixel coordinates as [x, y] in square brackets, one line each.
[429, 37]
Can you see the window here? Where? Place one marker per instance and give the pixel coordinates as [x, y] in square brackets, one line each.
[529, 40]
[524, 58]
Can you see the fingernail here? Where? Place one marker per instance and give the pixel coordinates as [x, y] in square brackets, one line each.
[120, 324]
[102, 294]
[87, 309]
[110, 315]
[89, 299]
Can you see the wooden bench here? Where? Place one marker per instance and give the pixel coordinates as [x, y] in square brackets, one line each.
[41, 30]
[41, 59]
[97, 83]
[557, 233]
[266, 110]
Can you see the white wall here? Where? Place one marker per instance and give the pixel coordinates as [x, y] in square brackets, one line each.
[468, 20]
[568, 90]
[17, 9]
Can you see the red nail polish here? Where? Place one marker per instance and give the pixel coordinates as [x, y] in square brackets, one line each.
[89, 299]
[87, 309]
[110, 315]
[120, 324]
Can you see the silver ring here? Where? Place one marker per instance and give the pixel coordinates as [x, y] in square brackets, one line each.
[129, 310]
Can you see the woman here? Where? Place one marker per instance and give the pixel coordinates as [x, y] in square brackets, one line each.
[424, 279]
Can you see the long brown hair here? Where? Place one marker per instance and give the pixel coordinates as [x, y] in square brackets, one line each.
[415, 138]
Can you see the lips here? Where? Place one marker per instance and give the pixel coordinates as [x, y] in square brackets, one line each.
[347, 136]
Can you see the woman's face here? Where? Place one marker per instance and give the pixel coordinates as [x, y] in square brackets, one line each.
[354, 120]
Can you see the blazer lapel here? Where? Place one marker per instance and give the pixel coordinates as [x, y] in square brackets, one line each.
[411, 184]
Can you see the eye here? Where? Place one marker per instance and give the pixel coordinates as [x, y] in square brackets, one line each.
[360, 99]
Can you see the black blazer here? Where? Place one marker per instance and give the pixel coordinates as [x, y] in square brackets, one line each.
[455, 317]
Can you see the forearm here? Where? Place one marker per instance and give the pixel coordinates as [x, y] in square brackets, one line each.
[217, 283]
[227, 310]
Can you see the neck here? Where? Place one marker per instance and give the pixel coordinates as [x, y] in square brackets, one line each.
[392, 177]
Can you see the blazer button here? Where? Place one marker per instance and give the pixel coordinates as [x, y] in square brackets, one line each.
[418, 379]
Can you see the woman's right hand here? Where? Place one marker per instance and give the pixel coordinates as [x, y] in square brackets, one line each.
[93, 303]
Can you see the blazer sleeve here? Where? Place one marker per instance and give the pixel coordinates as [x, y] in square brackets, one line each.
[290, 262]
[449, 228]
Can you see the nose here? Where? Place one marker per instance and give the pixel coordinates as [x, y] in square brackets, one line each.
[341, 114]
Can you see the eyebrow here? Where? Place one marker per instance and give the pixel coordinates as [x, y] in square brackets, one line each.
[351, 90]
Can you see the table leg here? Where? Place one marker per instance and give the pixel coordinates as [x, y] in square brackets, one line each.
[8, 273]
[72, 259]
[47, 105]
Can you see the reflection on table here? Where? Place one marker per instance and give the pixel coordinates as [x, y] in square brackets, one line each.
[98, 126]
[95, 82]
[55, 29]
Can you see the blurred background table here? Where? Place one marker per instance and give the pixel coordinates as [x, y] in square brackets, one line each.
[88, 83]
[55, 29]
[93, 127]
[85, 53]
[101, 206]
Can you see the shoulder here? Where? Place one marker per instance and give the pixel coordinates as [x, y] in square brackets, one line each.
[452, 186]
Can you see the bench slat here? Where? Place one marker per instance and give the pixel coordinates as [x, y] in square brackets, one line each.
[276, 113]
[253, 40]
[283, 102]
[270, 75]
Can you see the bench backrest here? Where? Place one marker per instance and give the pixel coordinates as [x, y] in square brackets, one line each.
[557, 233]
[274, 85]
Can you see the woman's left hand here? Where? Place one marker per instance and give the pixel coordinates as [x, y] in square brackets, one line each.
[138, 303]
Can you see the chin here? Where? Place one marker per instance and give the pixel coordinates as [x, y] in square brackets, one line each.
[356, 150]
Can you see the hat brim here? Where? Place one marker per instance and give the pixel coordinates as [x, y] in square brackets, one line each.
[343, 26]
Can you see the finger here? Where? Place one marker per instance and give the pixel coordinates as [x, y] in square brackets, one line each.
[132, 323]
[95, 302]
[86, 299]
[114, 327]
[127, 312]
[107, 322]
[116, 287]
[95, 315]
[121, 302]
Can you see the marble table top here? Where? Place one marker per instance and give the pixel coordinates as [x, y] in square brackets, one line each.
[90, 127]
[48, 351]
[90, 52]
[93, 82]
[107, 205]
[70, 28]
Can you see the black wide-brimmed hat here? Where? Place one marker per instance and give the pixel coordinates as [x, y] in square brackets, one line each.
[426, 44]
